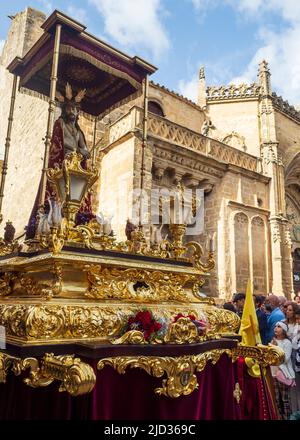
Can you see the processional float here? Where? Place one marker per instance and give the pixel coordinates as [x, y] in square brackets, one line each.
[120, 325]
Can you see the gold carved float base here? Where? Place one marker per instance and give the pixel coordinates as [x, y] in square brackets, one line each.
[87, 295]
[77, 377]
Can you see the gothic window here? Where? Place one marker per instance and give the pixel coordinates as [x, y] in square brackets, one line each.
[155, 108]
[242, 262]
[259, 255]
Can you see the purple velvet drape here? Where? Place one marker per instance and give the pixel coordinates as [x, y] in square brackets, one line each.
[131, 397]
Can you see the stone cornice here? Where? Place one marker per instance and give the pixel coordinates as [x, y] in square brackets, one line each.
[176, 95]
[253, 174]
[284, 107]
[233, 92]
[251, 208]
[187, 159]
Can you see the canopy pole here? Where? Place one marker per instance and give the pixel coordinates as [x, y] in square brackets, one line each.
[51, 111]
[144, 141]
[94, 142]
[145, 129]
[7, 141]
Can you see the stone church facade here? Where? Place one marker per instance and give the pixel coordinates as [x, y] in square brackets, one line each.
[240, 144]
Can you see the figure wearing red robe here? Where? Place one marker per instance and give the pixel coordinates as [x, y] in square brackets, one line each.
[67, 137]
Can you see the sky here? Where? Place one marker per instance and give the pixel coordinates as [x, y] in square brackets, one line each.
[228, 37]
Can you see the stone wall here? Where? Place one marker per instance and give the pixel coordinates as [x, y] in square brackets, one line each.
[116, 185]
[288, 136]
[178, 110]
[29, 125]
[240, 117]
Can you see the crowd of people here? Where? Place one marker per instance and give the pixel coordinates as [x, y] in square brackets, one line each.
[279, 324]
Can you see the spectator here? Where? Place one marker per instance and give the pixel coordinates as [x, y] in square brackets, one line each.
[284, 375]
[296, 349]
[229, 306]
[297, 298]
[261, 317]
[290, 313]
[282, 303]
[239, 301]
[272, 305]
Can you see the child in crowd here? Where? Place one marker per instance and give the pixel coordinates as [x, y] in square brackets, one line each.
[284, 375]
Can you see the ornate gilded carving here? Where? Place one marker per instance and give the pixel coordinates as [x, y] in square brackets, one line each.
[181, 378]
[237, 392]
[265, 355]
[60, 321]
[178, 232]
[221, 320]
[75, 376]
[45, 322]
[180, 371]
[197, 255]
[8, 248]
[6, 283]
[5, 364]
[54, 287]
[135, 284]
[183, 331]
[131, 337]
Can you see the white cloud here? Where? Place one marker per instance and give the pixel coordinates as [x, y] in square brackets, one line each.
[78, 14]
[215, 72]
[134, 23]
[288, 9]
[200, 4]
[189, 88]
[279, 47]
[47, 6]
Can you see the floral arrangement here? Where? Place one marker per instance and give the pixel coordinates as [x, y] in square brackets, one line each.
[156, 330]
[145, 322]
[199, 323]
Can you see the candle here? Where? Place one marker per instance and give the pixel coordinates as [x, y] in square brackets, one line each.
[212, 243]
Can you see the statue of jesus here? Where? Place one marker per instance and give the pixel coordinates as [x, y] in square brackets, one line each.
[67, 137]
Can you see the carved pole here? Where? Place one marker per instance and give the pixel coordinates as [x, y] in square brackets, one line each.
[94, 143]
[51, 110]
[145, 128]
[7, 141]
[144, 142]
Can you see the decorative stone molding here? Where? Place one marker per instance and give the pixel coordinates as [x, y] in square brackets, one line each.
[276, 234]
[170, 132]
[284, 106]
[241, 218]
[230, 155]
[178, 158]
[235, 140]
[176, 134]
[232, 91]
[266, 109]
[258, 221]
[287, 236]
